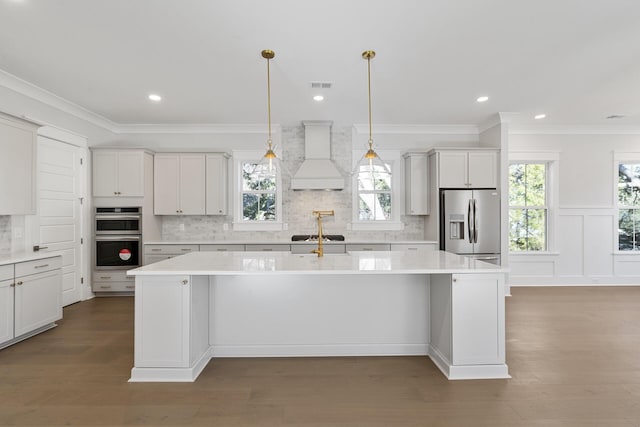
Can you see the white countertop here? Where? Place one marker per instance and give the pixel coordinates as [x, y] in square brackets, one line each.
[17, 257]
[369, 262]
[289, 242]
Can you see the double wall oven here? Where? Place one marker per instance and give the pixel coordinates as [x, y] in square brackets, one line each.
[118, 238]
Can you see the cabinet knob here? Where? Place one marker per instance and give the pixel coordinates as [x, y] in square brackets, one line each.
[185, 282]
[115, 192]
[19, 283]
[13, 285]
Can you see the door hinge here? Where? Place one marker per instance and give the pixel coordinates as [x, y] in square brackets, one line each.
[82, 280]
[81, 160]
[81, 200]
[82, 240]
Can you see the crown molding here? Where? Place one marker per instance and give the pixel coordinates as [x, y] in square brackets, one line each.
[196, 129]
[418, 129]
[32, 91]
[573, 130]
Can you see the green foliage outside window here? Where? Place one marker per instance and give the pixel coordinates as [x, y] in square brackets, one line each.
[258, 192]
[527, 207]
[629, 207]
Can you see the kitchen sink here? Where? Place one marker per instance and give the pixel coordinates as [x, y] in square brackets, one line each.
[314, 238]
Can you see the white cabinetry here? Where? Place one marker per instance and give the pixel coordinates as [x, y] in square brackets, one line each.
[467, 168]
[416, 182]
[171, 326]
[118, 173]
[217, 184]
[155, 253]
[17, 167]
[179, 184]
[31, 300]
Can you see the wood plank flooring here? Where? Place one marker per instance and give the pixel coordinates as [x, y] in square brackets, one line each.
[574, 354]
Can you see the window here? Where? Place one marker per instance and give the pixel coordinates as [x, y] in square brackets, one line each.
[374, 193]
[257, 195]
[376, 201]
[628, 206]
[528, 206]
[258, 192]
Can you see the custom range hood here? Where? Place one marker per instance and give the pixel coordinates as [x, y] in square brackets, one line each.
[317, 172]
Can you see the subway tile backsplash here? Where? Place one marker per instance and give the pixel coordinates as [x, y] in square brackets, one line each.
[5, 235]
[296, 205]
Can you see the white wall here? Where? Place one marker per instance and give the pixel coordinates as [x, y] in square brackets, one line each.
[584, 247]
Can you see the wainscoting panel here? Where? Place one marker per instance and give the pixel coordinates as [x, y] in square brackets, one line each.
[586, 239]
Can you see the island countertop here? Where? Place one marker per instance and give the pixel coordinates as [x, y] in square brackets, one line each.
[365, 262]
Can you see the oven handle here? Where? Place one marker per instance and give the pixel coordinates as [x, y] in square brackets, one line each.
[108, 217]
[122, 239]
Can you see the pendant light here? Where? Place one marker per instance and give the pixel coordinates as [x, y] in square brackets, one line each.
[269, 163]
[374, 164]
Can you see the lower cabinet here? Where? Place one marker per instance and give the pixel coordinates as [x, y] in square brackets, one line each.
[31, 301]
[112, 281]
[171, 326]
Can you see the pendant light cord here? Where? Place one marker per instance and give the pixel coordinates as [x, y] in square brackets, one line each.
[269, 100]
[369, 91]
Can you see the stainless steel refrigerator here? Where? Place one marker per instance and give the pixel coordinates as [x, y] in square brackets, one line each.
[470, 223]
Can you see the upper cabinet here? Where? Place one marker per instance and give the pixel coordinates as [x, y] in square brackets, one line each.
[118, 173]
[467, 168]
[17, 167]
[179, 184]
[416, 180]
[217, 184]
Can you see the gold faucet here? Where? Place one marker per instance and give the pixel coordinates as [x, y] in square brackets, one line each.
[319, 215]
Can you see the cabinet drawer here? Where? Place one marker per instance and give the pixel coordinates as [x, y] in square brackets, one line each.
[150, 259]
[413, 247]
[113, 286]
[366, 247]
[268, 248]
[38, 266]
[6, 272]
[170, 249]
[222, 248]
[307, 248]
[112, 276]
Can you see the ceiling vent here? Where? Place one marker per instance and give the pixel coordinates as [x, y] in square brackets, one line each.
[321, 85]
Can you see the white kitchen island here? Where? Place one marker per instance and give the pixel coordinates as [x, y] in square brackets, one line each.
[204, 305]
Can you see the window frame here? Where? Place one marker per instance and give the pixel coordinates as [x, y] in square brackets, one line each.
[393, 159]
[618, 158]
[239, 223]
[551, 160]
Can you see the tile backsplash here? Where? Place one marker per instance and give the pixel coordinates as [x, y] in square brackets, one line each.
[296, 205]
[5, 235]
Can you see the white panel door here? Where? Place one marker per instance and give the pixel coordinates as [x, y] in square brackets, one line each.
[59, 219]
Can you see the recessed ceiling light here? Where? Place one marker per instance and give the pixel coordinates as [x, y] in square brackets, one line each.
[482, 99]
[539, 116]
[155, 97]
[318, 98]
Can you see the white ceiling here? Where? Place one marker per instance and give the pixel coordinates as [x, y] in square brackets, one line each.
[578, 61]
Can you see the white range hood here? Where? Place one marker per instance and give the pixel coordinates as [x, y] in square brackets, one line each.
[317, 172]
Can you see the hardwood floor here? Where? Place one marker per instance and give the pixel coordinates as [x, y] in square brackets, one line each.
[574, 354]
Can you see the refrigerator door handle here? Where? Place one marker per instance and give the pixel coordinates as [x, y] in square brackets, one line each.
[475, 223]
[469, 228]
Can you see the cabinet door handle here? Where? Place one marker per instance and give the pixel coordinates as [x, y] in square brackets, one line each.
[221, 250]
[185, 282]
[130, 287]
[115, 192]
[412, 249]
[105, 287]
[186, 249]
[13, 285]
[19, 283]
[105, 277]
[41, 266]
[156, 250]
